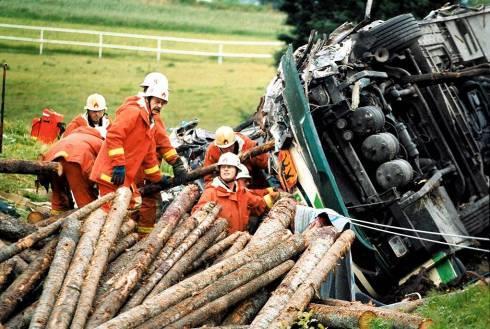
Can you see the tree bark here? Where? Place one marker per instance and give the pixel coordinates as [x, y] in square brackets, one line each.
[20, 264]
[7, 269]
[22, 319]
[227, 283]
[179, 236]
[182, 266]
[221, 304]
[29, 255]
[352, 317]
[305, 292]
[13, 229]
[187, 287]
[127, 242]
[149, 189]
[237, 246]
[13, 166]
[278, 218]
[53, 219]
[127, 227]
[67, 300]
[246, 311]
[41, 233]
[26, 281]
[98, 263]
[215, 250]
[64, 252]
[181, 249]
[297, 276]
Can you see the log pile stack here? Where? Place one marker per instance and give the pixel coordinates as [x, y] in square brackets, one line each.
[87, 270]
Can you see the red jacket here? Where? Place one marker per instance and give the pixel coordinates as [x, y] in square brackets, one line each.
[244, 143]
[236, 207]
[82, 147]
[130, 142]
[82, 121]
[165, 149]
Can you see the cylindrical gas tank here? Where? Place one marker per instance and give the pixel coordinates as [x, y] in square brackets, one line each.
[396, 173]
[367, 120]
[380, 147]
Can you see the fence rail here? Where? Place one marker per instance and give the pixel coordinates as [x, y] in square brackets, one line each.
[158, 50]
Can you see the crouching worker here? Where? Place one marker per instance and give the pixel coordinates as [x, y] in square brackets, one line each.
[129, 145]
[237, 203]
[76, 153]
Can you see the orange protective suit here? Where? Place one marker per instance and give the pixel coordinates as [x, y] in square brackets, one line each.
[82, 121]
[236, 206]
[130, 142]
[244, 143]
[76, 153]
[146, 216]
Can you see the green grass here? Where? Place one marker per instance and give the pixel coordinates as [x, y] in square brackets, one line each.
[468, 309]
[150, 14]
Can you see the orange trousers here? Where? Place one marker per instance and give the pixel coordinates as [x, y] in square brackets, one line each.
[104, 189]
[72, 179]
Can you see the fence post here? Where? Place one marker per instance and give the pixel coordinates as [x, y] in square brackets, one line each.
[159, 45]
[101, 40]
[220, 53]
[41, 38]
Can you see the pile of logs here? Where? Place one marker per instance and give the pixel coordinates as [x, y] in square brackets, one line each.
[87, 269]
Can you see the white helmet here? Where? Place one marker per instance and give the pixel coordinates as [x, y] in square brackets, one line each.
[154, 78]
[158, 91]
[96, 102]
[243, 173]
[224, 137]
[229, 159]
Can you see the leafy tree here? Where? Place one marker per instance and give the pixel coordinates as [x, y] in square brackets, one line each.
[324, 16]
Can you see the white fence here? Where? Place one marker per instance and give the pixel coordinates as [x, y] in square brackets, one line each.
[220, 54]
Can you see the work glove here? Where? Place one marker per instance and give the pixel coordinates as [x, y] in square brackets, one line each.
[274, 196]
[165, 182]
[118, 175]
[180, 173]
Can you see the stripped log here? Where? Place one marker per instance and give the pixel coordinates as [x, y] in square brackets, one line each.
[41, 233]
[278, 218]
[121, 287]
[149, 189]
[22, 319]
[357, 316]
[127, 227]
[7, 269]
[177, 239]
[246, 311]
[30, 167]
[98, 263]
[27, 281]
[223, 303]
[52, 219]
[13, 229]
[20, 264]
[67, 300]
[64, 252]
[127, 242]
[281, 253]
[238, 245]
[182, 266]
[215, 250]
[297, 276]
[305, 292]
[29, 255]
[181, 250]
[187, 287]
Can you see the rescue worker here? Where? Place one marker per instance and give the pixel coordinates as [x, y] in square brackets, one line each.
[226, 140]
[94, 116]
[146, 216]
[76, 153]
[130, 144]
[244, 179]
[237, 204]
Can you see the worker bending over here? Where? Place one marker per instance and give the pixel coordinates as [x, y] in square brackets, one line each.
[76, 154]
[226, 140]
[130, 144]
[146, 216]
[94, 117]
[237, 203]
